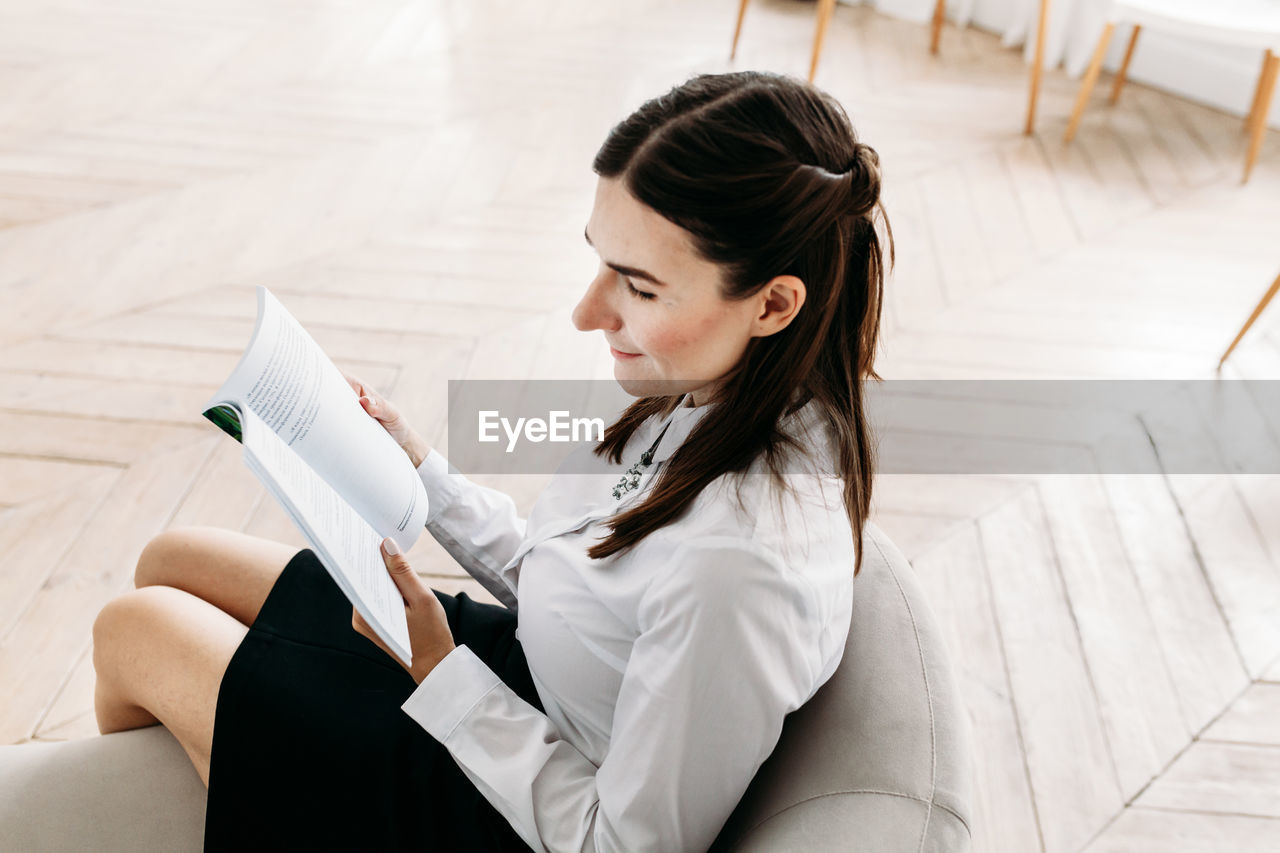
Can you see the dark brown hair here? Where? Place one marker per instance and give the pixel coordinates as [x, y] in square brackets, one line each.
[766, 174]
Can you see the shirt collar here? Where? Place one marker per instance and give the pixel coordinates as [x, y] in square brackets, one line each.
[681, 422]
[685, 417]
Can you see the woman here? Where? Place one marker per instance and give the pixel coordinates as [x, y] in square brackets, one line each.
[667, 624]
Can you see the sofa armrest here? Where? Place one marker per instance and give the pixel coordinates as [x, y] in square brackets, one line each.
[861, 822]
[131, 791]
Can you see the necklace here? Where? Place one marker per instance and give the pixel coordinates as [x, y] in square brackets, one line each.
[631, 479]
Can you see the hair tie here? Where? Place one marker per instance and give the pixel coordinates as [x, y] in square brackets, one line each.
[864, 180]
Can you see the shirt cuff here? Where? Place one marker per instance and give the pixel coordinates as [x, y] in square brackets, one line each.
[435, 476]
[449, 692]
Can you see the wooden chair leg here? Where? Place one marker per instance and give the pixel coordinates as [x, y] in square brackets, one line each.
[1259, 130]
[825, 8]
[1037, 66]
[737, 30]
[1257, 94]
[939, 14]
[1124, 66]
[1266, 297]
[1090, 78]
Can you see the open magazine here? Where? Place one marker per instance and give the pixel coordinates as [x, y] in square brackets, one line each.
[343, 480]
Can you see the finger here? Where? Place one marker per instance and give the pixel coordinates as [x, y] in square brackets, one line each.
[369, 398]
[406, 579]
[383, 410]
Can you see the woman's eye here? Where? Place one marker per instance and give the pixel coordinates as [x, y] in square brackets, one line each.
[640, 293]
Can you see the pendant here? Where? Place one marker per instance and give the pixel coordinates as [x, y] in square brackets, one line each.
[631, 479]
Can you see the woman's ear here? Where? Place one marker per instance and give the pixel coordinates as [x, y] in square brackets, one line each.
[779, 300]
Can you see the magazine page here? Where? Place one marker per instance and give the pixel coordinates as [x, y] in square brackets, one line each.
[347, 546]
[296, 391]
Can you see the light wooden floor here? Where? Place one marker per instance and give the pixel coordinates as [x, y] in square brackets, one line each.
[411, 179]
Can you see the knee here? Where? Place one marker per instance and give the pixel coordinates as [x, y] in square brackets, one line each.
[159, 557]
[128, 624]
[128, 614]
[110, 630]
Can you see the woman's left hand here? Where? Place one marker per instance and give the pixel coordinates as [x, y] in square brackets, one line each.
[429, 636]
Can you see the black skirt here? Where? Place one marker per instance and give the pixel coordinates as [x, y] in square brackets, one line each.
[311, 750]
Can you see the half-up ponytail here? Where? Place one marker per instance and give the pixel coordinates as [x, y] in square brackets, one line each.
[863, 180]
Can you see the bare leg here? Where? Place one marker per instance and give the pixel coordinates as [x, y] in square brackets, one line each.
[230, 570]
[160, 654]
[114, 710]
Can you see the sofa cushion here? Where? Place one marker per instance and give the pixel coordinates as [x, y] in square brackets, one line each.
[881, 757]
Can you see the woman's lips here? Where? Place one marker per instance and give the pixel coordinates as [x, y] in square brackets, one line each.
[624, 355]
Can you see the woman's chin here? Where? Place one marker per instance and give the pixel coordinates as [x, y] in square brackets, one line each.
[635, 387]
[647, 386]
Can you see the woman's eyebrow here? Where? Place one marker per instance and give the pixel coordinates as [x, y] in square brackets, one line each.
[634, 272]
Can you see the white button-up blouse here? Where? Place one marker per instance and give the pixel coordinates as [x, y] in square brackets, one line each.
[665, 670]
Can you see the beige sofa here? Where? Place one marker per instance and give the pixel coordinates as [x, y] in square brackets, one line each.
[879, 761]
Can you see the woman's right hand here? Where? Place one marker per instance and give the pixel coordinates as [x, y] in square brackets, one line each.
[388, 415]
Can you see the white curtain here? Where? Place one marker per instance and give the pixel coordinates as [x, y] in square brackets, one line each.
[1073, 30]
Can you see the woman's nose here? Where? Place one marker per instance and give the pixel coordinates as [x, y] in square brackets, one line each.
[593, 311]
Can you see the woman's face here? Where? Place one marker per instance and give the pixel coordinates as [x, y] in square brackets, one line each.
[659, 304]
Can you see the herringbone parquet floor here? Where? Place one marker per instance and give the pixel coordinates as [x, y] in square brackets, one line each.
[412, 178]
